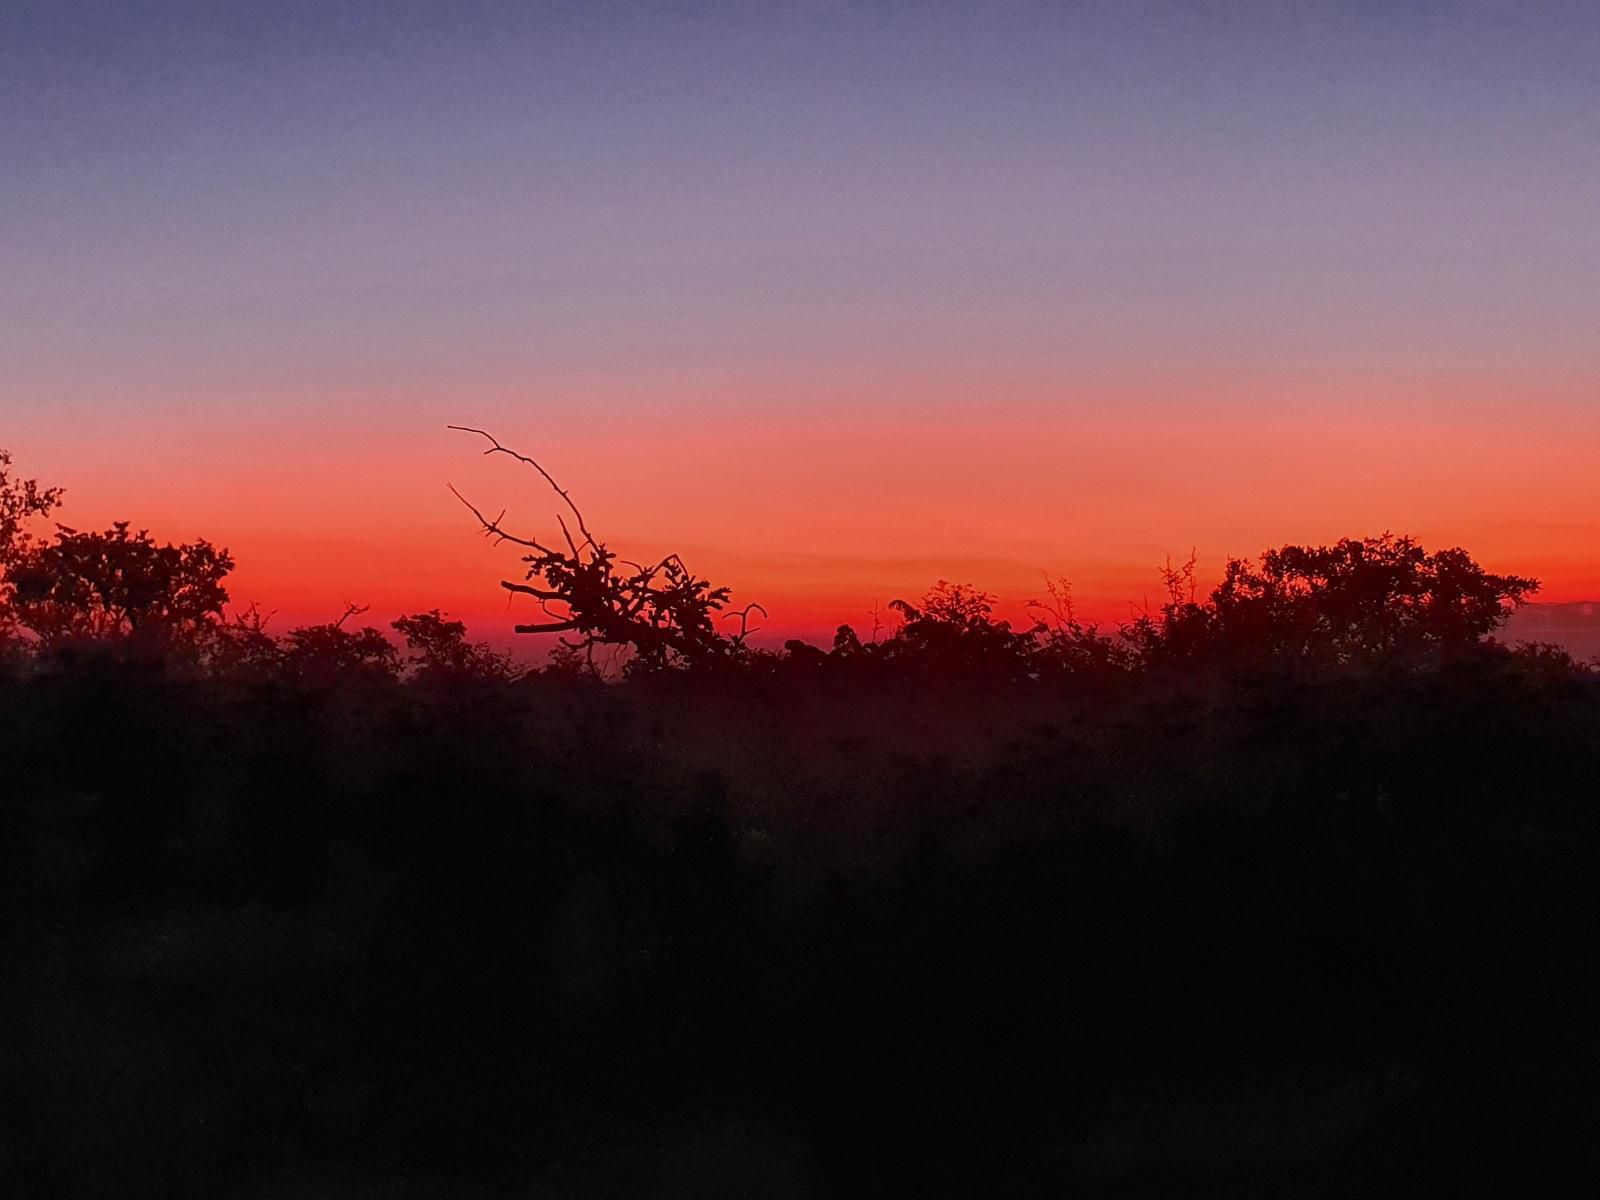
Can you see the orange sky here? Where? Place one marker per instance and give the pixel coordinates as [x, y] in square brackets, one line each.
[823, 513]
[835, 303]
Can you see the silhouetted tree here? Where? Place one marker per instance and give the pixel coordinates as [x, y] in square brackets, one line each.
[325, 937]
[954, 627]
[118, 585]
[1357, 599]
[439, 648]
[239, 647]
[1067, 645]
[566, 661]
[847, 643]
[662, 612]
[21, 501]
[322, 655]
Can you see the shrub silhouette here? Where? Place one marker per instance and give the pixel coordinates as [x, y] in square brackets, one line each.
[1360, 600]
[1067, 646]
[241, 648]
[963, 910]
[321, 655]
[953, 628]
[439, 649]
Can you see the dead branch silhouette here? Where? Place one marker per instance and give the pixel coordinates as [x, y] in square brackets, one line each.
[662, 611]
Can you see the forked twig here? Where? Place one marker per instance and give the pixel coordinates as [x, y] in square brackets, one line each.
[496, 448]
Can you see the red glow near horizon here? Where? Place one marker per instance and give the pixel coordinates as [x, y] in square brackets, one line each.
[822, 518]
[833, 303]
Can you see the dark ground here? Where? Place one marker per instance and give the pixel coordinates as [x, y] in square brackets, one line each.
[789, 938]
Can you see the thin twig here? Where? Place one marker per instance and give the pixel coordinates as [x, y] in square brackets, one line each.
[496, 448]
[492, 528]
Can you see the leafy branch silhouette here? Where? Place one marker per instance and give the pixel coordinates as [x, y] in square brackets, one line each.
[664, 613]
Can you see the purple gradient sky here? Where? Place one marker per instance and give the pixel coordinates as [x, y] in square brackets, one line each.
[230, 230]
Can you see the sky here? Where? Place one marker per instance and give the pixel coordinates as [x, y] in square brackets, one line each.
[836, 300]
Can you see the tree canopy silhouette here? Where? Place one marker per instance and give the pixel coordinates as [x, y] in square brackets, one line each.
[439, 649]
[312, 910]
[111, 585]
[1360, 600]
[21, 501]
[118, 584]
[953, 627]
[1357, 600]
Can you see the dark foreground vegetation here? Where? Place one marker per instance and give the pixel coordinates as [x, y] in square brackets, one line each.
[1289, 890]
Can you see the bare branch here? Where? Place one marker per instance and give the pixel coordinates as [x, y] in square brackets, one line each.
[526, 590]
[744, 621]
[492, 528]
[566, 533]
[350, 610]
[554, 627]
[662, 611]
[496, 448]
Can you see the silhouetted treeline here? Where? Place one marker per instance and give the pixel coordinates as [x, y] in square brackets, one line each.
[1287, 890]
[1360, 602]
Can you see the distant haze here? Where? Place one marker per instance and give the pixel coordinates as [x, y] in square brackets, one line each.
[1575, 627]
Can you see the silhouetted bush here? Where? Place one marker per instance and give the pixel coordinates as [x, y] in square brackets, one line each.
[964, 910]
